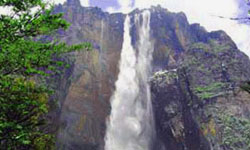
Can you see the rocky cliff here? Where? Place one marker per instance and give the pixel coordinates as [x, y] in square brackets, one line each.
[213, 116]
[188, 105]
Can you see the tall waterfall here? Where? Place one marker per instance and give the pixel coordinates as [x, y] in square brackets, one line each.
[130, 126]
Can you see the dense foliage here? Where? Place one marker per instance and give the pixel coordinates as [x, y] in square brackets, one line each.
[235, 132]
[25, 58]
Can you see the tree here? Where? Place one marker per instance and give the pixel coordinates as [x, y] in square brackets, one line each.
[25, 58]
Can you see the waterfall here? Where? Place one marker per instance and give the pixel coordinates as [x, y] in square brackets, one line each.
[102, 35]
[130, 125]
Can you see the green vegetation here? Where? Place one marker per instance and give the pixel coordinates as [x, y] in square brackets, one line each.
[219, 47]
[200, 45]
[206, 92]
[246, 86]
[168, 76]
[213, 47]
[209, 128]
[26, 57]
[235, 132]
[171, 75]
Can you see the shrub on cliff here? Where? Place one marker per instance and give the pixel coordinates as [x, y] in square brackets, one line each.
[246, 86]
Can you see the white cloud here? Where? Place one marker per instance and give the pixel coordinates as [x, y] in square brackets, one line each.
[125, 6]
[205, 12]
[111, 9]
[84, 2]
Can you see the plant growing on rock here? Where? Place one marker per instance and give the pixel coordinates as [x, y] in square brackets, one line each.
[210, 91]
[246, 86]
[235, 132]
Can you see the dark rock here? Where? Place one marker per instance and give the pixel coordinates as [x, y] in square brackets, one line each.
[73, 3]
[172, 101]
[184, 121]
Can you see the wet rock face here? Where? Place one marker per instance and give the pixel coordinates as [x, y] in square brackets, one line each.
[176, 127]
[186, 120]
[85, 105]
[84, 91]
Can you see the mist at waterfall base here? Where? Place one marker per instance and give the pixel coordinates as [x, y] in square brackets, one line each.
[130, 125]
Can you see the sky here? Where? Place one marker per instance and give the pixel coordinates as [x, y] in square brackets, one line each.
[205, 12]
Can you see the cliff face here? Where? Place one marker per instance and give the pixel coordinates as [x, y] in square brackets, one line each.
[85, 105]
[215, 116]
[84, 91]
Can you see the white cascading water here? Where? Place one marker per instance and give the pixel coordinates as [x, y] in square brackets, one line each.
[102, 34]
[130, 125]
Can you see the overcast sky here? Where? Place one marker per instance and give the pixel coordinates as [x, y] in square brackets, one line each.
[197, 11]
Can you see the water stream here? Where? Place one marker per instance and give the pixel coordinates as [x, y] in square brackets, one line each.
[130, 125]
